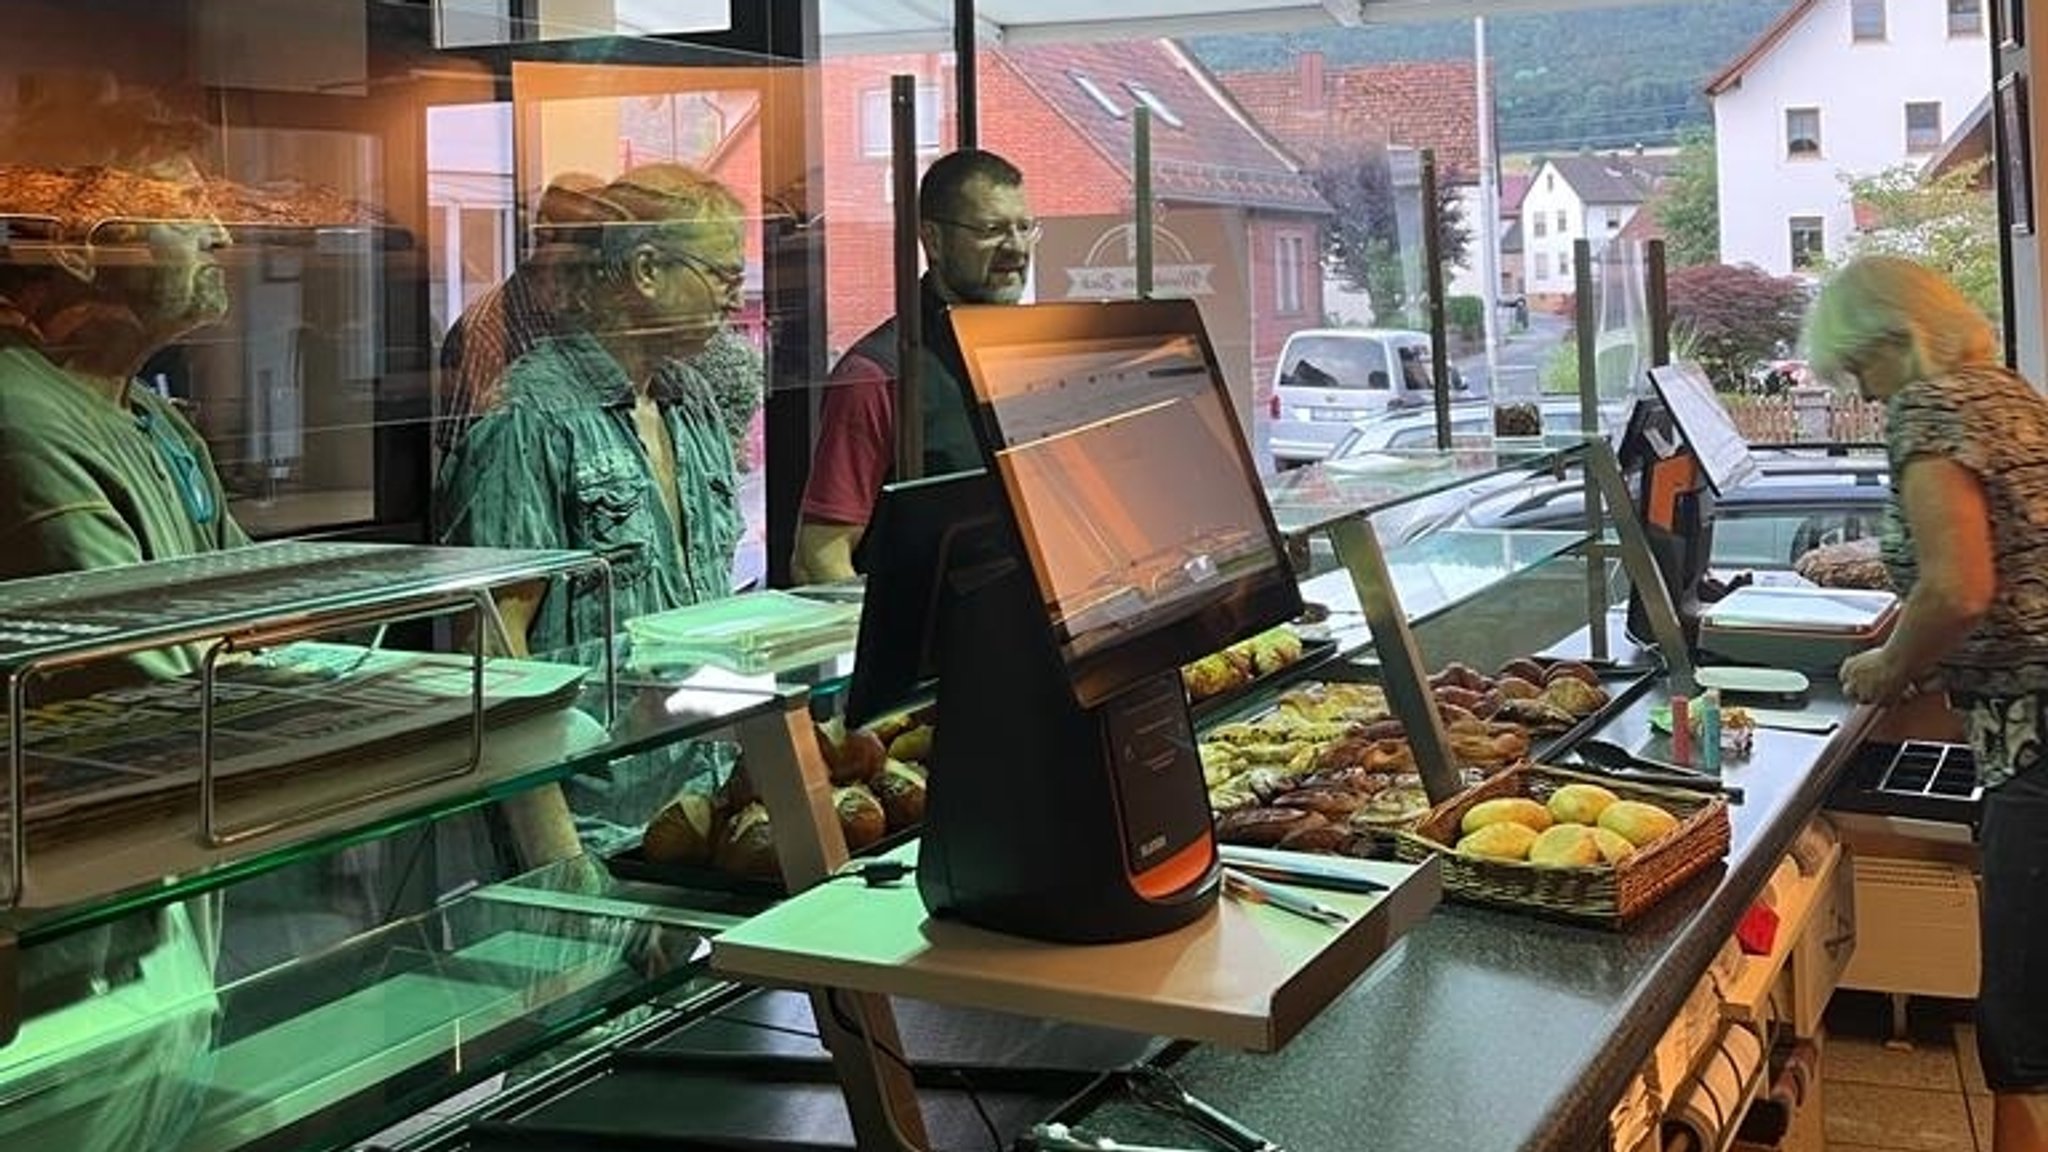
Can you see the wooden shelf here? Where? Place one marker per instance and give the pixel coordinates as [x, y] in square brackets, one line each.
[1249, 977]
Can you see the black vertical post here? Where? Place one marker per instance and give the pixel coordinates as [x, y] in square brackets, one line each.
[1586, 325]
[1657, 298]
[1141, 194]
[966, 97]
[909, 308]
[1433, 277]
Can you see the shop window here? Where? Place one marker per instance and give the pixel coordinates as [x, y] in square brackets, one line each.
[874, 120]
[1539, 226]
[1808, 241]
[1802, 133]
[1094, 92]
[1923, 127]
[1866, 19]
[1289, 265]
[1543, 266]
[1151, 100]
[1966, 17]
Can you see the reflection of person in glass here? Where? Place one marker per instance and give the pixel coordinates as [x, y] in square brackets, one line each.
[111, 238]
[603, 438]
[96, 469]
[977, 232]
[535, 303]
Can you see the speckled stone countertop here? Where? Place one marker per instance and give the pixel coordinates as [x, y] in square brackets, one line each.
[1486, 1031]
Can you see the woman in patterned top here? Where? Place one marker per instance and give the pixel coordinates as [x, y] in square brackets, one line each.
[1966, 543]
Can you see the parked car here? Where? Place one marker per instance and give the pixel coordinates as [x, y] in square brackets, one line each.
[1328, 378]
[1796, 502]
[1417, 429]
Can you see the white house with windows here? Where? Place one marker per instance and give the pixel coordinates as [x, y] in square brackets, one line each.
[1836, 88]
[1585, 197]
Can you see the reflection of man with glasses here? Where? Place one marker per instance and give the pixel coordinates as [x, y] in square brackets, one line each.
[603, 438]
[977, 233]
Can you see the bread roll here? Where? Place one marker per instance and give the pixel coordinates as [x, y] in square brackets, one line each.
[861, 818]
[1264, 827]
[1506, 810]
[1580, 803]
[1565, 846]
[683, 832]
[746, 844]
[1503, 841]
[1637, 822]
[900, 788]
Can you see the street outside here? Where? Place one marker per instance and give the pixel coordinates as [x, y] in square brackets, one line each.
[1520, 361]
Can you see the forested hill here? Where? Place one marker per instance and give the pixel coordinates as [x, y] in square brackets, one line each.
[1598, 77]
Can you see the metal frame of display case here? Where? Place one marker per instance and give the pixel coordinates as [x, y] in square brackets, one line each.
[1405, 680]
[257, 597]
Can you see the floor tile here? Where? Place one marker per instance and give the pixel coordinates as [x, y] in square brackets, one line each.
[1853, 1059]
[1966, 1056]
[1900, 1118]
[1980, 1119]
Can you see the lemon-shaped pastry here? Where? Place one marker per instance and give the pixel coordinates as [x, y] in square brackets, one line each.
[1506, 810]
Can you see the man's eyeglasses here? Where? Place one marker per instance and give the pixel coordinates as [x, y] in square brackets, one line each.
[1015, 231]
[724, 280]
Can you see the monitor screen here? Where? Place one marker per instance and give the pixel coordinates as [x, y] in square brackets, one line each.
[1703, 420]
[919, 528]
[1132, 490]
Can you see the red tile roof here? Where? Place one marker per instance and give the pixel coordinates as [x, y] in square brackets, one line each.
[1216, 154]
[1422, 104]
[1513, 187]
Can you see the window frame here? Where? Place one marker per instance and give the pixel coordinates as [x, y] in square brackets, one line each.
[1564, 222]
[1290, 269]
[1857, 35]
[873, 149]
[1930, 144]
[1975, 13]
[1542, 269]
[1794, 225]
[1539, 227]
[1792, 152]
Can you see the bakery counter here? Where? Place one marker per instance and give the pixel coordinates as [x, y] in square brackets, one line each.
[1485, 1030]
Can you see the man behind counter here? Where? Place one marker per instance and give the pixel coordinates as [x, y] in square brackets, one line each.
[977, 232]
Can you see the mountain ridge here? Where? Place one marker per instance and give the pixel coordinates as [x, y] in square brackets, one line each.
[1591, 78]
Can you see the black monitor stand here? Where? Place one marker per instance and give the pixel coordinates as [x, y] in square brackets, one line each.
[1045, 819]
[1676, 504]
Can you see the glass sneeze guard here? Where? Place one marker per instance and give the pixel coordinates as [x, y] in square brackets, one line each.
[1316, 496]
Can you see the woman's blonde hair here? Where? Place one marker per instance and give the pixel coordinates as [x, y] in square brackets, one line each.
[1874, 299]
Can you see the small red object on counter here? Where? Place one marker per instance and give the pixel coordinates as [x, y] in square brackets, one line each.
[1757, 930]
[1681, 730]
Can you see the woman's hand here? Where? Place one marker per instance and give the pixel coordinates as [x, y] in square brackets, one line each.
[1874, 678]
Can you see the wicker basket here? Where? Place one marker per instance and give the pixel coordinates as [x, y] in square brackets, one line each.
[1604, 895]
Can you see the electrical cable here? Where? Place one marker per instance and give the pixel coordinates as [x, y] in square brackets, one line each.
[875, 1047]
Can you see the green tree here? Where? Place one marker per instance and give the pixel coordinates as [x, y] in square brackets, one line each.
[1689, 208]
[1947, 223]
[1362, 242]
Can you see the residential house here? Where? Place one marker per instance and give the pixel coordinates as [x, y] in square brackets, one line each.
[1237, 221]
[1832, 89]
[1318, 111]
[1584, 197]
[1513, 187]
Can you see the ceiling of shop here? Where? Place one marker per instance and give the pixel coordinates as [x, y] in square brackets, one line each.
[871, 26]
